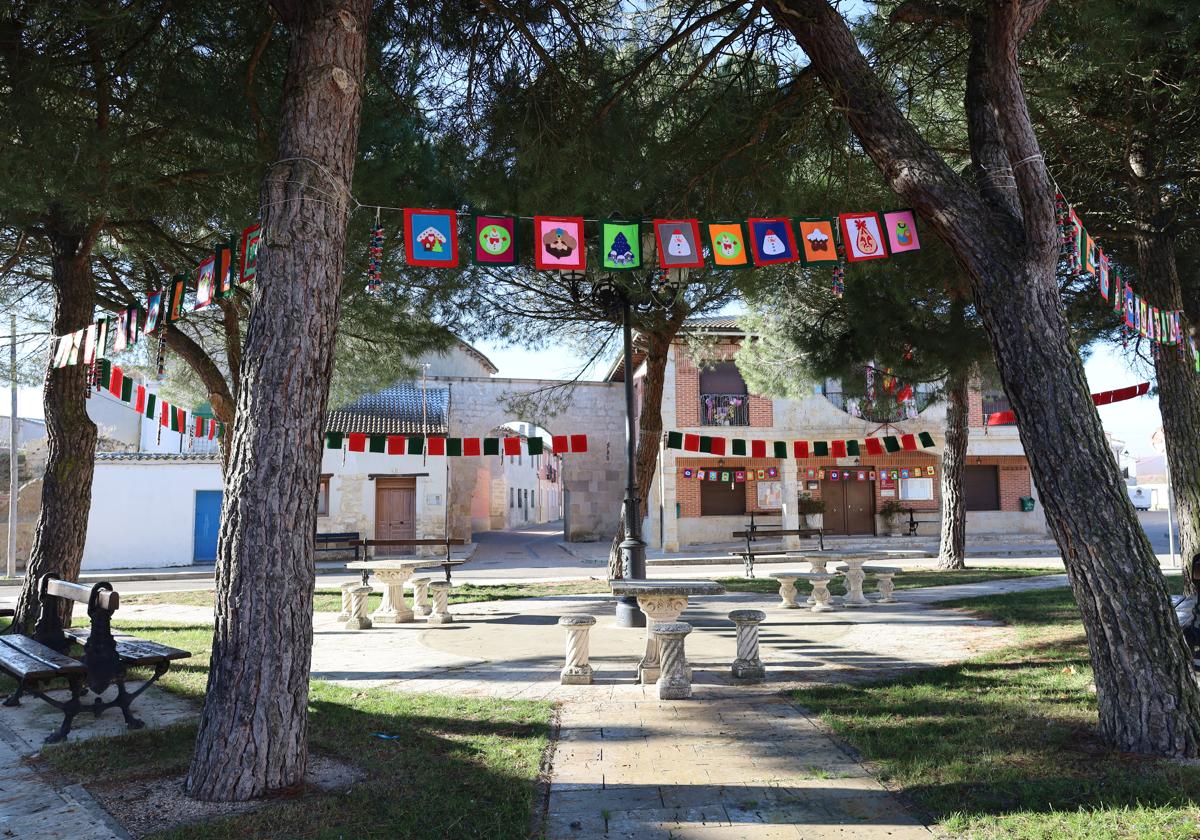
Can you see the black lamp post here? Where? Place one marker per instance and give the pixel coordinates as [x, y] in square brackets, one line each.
[656, 291]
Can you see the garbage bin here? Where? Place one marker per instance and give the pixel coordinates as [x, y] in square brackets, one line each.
[1027, 504]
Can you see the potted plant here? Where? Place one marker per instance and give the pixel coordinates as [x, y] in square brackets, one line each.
[808, 506]
[890, 512]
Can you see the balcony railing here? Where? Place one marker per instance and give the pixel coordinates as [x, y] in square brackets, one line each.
[993, 404]
[883, 409]
[724, 410]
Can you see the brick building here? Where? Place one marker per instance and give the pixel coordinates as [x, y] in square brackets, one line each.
[712, 399]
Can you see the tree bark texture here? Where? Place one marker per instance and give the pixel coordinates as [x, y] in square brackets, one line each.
[1174, 367]
[70, 434]
[952, 549]
[649, 431]
[1005, 237]
[254, 726]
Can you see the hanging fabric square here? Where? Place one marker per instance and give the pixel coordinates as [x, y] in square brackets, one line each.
[431, 238]
[820, 449]
[101, 337]
[800, 449]
[560, 443]
[758, 449]
[901, 228]
[165, 413]
[395, 445]
[772, 241]
[687, 473]
[89, 345]
[176, 426]
[214, 429]
[225, 270]
[153, 312]
[760, 475]
[816, 238]
[718, 446]
[454, 447]
[837, 448]
[1088, 255]
[377, 444]
[151, 404]
[358, 442]
[121, 334]
[558, 243]
[579, 443]
[620, 245]
[435, 445]
[834, 475]
[535, 445]
[512, 446]
[852, 448]
[139, 401]
[1118, 292]
[178, 291]
[127, 389]
[333, 440]
[691, 442]
[1143, 317]
[496, 240]
[471, 446]
[1130, 308]
[206, 282]
[1102, 269]
[674, 440]
[727, 244]
[416, 444]
[779, 449]
[739, 476]
[248, 252]
[891, 443]
[678, 242]
[926, 440]
[862, 236]
[706, 444]
[115, 378]
[198, 430]
[874, 446]
[908, 442]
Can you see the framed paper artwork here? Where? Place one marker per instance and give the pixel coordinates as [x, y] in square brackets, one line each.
[862, 236]
[153, 311]
[558, 243]
[620, 245]
[495, 240]
[816, 238]
[773, 241]
[206, 277]
[251, 237]
[431, 238]
[727, 242]
[901, 227]
[678, 243]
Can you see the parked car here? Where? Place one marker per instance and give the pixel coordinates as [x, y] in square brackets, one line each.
[1140, 497]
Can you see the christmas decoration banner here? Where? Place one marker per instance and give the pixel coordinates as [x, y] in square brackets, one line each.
[111, 378]
[454, 447]
[798, 449]
[1008, 418]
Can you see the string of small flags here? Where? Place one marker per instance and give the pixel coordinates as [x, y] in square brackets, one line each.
[453, 447]
[1084, 256]
[111, 378]
[798, 449]
[736, 476]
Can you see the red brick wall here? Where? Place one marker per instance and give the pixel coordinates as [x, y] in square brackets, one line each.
[687, 390]
[974, 406]
[687, 490]
[1015, 480]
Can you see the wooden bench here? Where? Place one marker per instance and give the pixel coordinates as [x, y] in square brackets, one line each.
[748, 553]
[36, 661]
[339, 542]
[913, 522]
[444, 542]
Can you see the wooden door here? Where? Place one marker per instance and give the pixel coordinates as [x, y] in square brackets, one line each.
[395, 512]
[834, 518]
[859, 507]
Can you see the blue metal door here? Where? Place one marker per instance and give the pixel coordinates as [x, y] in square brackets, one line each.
[208, 524]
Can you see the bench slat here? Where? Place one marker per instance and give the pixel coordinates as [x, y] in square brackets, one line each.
[454, 541]
[78, 592]
[22, 657]
[134, 651]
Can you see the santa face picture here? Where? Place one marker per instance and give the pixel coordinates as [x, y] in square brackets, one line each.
[431, 238]
[495, 240]
[773, 241]
[678, 243]
[559, 243]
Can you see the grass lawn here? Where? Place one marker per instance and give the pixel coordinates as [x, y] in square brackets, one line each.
[461, 767]
[1005, 745]
[329, 600]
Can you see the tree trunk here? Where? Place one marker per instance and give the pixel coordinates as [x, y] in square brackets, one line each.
[254, 726]
[70, 434]
[1005, 238]
[952, 552]
[1174, 371]
[649, 431]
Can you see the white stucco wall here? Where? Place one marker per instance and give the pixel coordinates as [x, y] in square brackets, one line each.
[352, 490]
[143, 513]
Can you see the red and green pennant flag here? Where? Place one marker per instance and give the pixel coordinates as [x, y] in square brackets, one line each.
[199, 427]
[758, 449]
[674, 440]
[491, 446]
[535, 445]
[908, 442]
[357, 442]
[837, 448]
[800, 449]
[377, 444]
[395, 445]
[779, 449]
[512, 446]
[820, 449]
[472, 446]
[436, 446]
[151, 402]
[891, 443]
[874, 446]
[416, 445]
[852, 448]
[926, 440]
[454, 447]
[333, 440]
[127, 389]
[179, 420]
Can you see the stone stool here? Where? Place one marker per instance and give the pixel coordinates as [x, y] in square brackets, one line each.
[359, 620]
[787, 589]
[883, 577]
[674, 681]
[820, 585]
[421, 596]
[748, 666]
[344, 615]
[816, 564]
[577, 671]
[441, 603]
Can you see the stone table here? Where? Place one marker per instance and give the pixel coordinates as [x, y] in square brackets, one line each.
[853, 570]
[661, 601]
[393, 574]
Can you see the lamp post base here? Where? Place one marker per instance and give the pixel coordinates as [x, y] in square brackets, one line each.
[629, 614]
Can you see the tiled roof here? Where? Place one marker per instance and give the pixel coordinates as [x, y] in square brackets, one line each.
[713, 322]
[394, 411]
[159, 457]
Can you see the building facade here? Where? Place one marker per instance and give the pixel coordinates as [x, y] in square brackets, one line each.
[712, 399]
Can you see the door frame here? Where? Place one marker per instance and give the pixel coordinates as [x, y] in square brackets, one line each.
[394, 483]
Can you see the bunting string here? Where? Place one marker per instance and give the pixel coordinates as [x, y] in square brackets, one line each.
[799, 449]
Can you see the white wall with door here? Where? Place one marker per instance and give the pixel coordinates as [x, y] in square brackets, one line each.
[350, 486]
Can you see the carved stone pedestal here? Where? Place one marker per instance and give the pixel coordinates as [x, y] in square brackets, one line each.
[787, 589]
[748, 666]
[853, 570]
[663, 609]
[441, 603]
[359, 620]
[393, 610]
[674, 681]
[421, 607]
[344, 615]
[577, 671]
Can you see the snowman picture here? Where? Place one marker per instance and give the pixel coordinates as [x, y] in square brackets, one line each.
[728, 245]
[772, 245]
[678, 246]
